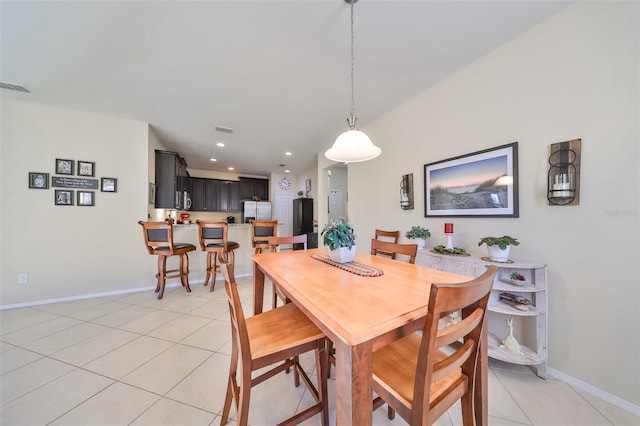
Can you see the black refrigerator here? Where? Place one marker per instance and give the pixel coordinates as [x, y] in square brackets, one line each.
[303, 222]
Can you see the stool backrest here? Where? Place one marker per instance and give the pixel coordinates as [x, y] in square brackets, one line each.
[158, 236]
[212, 232]
[261, 230]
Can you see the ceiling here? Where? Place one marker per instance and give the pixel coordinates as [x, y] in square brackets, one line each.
[276, 72]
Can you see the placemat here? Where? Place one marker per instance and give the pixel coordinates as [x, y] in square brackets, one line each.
[451, 254]
[353, 267]
[488, 259]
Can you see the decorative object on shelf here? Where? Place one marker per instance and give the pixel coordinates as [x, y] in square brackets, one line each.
[38, 180]
[300, 194]
[517, 302]
[563, 188]
[64, 167]
[510, 343]
[517, 278]
[108, 184]
[86, 168]
[315, 225]
[406, 192]
[448, 230]
[454, 251]
[340, 239]
[419, 234]
[353, 145]
[462, 195]
[284, 183]
[499, 247]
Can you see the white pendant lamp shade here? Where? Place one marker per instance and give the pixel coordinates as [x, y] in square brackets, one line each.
[352, 146]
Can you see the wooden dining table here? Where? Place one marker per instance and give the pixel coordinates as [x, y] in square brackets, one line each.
[359, 314]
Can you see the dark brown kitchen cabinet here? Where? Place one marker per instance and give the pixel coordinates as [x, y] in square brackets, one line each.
[254, 187]
[172, 181]
[228, 196]
[204, 194]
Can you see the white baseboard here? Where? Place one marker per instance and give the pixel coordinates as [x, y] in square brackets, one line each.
[603, 395]
[101, 294]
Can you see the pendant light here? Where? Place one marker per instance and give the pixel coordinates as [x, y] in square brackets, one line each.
[353, 145]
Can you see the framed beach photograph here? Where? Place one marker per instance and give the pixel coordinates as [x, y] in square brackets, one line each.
[479, 184]
[86, 198]
[86, 168]
[108, 184]
[64, 167]
[38, 180]
[63, 197]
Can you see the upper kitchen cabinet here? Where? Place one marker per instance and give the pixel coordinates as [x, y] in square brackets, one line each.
[172, 181]
[254, 187]
[204, 194]
[228, 196]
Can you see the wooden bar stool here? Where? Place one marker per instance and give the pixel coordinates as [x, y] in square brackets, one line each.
[261, 230]
[158, 238]
[213, 239]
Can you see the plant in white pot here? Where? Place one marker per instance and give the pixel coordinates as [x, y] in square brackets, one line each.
[499, 247]
[339, 237]
[419, 234]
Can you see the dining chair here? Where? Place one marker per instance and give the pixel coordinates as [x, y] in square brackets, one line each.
[260, 231]
[212, 236]
[276, 336]
[393, 249]
[158, 239]
[274, 242]
[421, 377]
[390, 236]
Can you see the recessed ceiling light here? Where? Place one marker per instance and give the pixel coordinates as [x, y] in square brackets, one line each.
[231, 168]
[213, 159]
[220, 144]
[287, 171]
[288, 153]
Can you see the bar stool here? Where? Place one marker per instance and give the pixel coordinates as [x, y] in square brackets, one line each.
[213, 240]
[261, 230]
[158, 238]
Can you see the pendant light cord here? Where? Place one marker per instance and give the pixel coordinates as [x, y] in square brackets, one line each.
[353, 107]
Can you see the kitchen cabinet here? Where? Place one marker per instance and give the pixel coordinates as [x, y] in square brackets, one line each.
[530, 325]
[228, 196]
[204, 194]
[254, 187]
[172, 181]
[302, 218]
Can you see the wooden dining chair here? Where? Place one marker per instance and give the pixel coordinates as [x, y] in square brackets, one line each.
[393, 249]
[419, 380]
[276, 336]
[260, 231]
[389, 236]
[158, 239]
[212, 236]
[274, 242]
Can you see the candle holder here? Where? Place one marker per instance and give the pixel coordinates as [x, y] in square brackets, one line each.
[448, 230]
[563, 188]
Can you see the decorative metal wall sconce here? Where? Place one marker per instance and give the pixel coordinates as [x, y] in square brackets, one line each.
[406, 192]
[563, 186]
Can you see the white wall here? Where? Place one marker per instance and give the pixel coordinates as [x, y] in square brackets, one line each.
[573, 76]
[71, 250]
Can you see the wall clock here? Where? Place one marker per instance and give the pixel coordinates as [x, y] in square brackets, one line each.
[284, 183]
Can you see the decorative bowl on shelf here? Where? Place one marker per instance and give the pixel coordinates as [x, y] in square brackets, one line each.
[517, 278]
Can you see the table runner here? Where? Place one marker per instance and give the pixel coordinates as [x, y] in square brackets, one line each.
[353, 267]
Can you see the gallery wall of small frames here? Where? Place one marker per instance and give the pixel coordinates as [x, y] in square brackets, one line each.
[74, 181]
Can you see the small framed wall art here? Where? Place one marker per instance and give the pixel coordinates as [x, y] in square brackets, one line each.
[38, 180]
[64, 167]
[108, 184]
[63, 197]
[86, 198]
[86, 168]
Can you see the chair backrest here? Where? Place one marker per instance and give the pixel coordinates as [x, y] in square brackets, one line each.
[471, 297]
[391, 236]
[274, 242]
[261, 230]
[386, 248]
[212, 233]
[158, 237]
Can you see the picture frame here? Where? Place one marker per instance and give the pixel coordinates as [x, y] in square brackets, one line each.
[63, 197]
[86, 198]
[480, 184]
[39, 180]
[86, 168]
[64, 167]
[152, 193]
[108, 184]
[307, 184]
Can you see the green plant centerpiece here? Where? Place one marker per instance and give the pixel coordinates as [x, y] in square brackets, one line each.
[419, 234]
[499, 247]
[339, 237]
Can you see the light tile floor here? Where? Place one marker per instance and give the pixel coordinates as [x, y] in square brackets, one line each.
[133, 359]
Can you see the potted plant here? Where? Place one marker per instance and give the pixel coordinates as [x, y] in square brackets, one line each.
[499, 247]
[419, 234]
[339, 237]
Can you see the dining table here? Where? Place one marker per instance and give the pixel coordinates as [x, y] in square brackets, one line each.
[361, 309]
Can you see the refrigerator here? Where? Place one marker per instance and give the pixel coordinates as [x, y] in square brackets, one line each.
[258, 210]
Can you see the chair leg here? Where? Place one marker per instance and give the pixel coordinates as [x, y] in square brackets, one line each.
[322, 361]
[184, 271]
[468, 418]
[214, 268]
[329, 354]
[206, 279]
[162, 272]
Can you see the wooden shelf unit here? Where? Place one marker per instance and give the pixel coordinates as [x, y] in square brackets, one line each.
[534, 326]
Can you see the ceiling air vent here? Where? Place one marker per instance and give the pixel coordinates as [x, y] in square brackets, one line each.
[224, 129]
[15, 87]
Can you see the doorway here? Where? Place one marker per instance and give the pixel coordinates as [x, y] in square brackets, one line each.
[284, 210]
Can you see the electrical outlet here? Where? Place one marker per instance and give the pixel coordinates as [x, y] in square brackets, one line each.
[23, 278]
